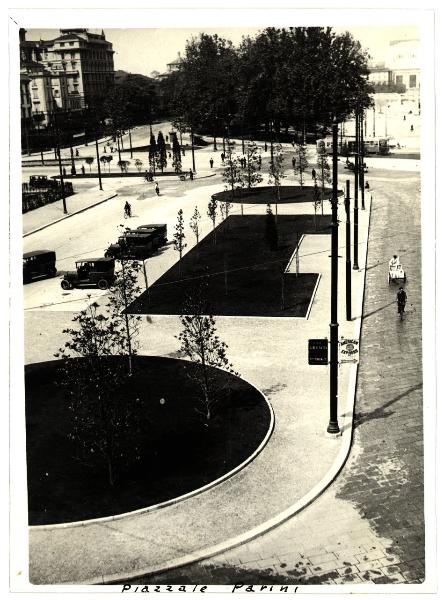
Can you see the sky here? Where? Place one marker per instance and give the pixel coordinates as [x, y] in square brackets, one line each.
[146, 50]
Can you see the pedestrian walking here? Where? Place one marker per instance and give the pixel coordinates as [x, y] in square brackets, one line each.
[313, 174]
[222, 156]
[82, 168]
[411, 128]
[191, 174]
[77, 153]
[169, 154]
[64, 172]
[104, 149]
[259, 160]
[211, 163]
[166, 138]
[293, 162]
[157, 189]
[266, 147]
[127, 210]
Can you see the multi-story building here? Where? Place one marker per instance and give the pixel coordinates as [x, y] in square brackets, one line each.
[380, 75]
[403, 61]
[25, 96]
[71, 72]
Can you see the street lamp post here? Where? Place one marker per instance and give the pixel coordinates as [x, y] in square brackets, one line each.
[192, 150]
[131, 143]
[347, 252]
[333, 426]
[98, 162]
[362, 154]
[356, 206]
[59, 155]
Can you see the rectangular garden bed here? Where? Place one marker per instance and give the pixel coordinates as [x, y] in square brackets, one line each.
[245, 277]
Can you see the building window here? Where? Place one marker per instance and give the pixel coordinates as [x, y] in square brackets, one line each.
[412, 81]
[62, 44]
[398, 80]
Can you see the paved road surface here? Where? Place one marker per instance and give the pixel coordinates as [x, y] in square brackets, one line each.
[369, 526]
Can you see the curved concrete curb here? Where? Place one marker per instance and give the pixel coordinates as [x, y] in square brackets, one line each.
[311, 496]
[67, 216]
[178, 499]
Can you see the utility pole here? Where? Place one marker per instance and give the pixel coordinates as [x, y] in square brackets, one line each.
[333, 426]
[347, 252]
[356, 207]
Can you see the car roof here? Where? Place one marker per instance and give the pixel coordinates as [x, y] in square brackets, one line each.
[151, 225]
[101, 259]
[37, 252]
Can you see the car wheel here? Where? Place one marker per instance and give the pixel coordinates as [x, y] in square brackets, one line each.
[66, 285]
[102, 284]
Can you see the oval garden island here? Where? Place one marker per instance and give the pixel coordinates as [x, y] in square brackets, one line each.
[164, 447]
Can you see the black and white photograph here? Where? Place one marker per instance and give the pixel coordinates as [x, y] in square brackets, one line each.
[222, 369]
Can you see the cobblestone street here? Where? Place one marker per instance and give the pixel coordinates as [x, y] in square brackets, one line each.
[368, 527]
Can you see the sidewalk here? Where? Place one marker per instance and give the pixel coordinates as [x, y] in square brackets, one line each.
[296, 465]
[42, 217]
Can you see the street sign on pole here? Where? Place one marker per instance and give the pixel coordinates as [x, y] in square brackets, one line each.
[318, 351]
[348, 350]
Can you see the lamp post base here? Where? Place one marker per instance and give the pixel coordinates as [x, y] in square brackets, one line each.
[333, 429]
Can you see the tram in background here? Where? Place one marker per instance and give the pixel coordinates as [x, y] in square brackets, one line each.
[347, 146]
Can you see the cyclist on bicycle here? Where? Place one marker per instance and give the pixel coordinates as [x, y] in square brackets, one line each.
[401, 298]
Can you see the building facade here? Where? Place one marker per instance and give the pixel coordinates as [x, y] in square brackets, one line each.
[404, 62]
[72, 72]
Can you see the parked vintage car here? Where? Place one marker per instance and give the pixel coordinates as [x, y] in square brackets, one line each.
[90, 272]
[39, 263]
[160, 229]
[138, 244]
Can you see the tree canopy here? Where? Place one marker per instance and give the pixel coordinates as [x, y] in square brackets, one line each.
[296, 77]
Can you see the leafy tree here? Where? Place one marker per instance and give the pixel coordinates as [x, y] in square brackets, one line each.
[138, 163]
[301, 162]
[161, 158]
[276, 173]
[109, 160]
[195, 224]
[104, 159]
[103, 428]
[212, 213]
[123, 164]
[324, 172]
[123, 292]
[201, 344]
[225, 208]
[152, 153]
[232, 173]
[179, 238]
[251, 174]
[177, 159]
[89, 161]
[271, 233]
